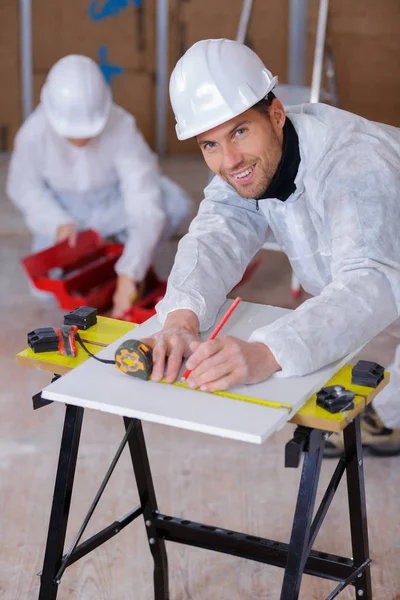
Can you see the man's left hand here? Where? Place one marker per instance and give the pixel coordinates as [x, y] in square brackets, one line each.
[124, 295]
[226, 361]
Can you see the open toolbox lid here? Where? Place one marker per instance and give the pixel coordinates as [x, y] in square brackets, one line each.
[82, 275]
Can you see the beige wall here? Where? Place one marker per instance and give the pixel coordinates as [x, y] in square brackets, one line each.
[10, 96]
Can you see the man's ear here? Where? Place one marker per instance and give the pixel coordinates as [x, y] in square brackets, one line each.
[277, 113]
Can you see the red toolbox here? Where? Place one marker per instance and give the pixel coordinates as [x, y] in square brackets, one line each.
[80, 276]
[84, 276]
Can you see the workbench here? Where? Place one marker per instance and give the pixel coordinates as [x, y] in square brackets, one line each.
[241, 422]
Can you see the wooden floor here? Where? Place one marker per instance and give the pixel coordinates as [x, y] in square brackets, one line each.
[219, 482]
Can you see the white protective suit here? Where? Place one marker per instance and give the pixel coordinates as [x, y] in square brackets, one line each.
[339, 229]
[112, 185]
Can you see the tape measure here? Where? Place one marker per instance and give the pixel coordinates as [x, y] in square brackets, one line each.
[134, 358]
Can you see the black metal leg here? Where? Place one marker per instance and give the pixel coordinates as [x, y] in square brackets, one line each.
[300, 537]
[357, 506]
[61, 501]
[144, 481]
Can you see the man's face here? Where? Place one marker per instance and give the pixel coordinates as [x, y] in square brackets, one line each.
[79, 143]
[246, 150]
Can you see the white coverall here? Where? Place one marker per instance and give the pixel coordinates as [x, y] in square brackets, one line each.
[112, 185]
[340, 230]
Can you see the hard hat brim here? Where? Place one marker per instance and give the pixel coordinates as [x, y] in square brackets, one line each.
[80, 131]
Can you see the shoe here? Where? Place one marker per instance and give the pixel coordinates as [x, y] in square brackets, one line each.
[380, 440]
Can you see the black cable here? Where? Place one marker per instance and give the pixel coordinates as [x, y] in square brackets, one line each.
[103, 360]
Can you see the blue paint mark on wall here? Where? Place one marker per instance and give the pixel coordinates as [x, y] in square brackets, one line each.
[109, 71]
[102, 9]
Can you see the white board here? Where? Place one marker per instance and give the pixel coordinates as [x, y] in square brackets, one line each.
[102, 387]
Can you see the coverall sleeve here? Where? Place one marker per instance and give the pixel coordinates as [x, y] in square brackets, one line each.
[28, 191]
[140, 183]
[361, 214]
[213, 255]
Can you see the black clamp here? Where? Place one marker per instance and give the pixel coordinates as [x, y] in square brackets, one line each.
[367, 373]
[44, 339]
[84, 317]
[335, 398]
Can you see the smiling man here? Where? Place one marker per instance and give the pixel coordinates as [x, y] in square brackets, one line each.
[325, 181]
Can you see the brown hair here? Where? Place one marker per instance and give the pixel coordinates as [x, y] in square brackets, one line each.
[263, 105]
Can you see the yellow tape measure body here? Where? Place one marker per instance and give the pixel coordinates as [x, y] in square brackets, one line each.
[134, 358]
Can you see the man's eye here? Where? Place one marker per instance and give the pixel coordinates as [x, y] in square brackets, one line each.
[239, 131]
[209, 146]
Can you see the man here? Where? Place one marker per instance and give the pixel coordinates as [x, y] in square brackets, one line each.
[326, 182]
[80, 163]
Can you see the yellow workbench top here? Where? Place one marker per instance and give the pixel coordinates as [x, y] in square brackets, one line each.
[96, 338]
[312, 415]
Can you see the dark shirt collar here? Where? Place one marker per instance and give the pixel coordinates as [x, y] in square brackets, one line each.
[282, 185]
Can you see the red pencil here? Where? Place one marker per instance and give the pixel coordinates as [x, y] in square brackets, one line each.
[217, 329]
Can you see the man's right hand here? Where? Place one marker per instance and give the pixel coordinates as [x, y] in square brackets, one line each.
[67, 232]
[172, 344]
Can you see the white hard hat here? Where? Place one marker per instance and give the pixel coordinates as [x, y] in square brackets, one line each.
[213, 82]
[76, 97]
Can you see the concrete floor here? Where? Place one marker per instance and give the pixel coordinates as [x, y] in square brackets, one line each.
[215, 481]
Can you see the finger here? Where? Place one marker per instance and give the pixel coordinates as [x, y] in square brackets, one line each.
[120, 306]
[159, 353]
[175, 357]
[219, 385]
[149, 342]
[209, 364]
[115, 313]
[194, 345]
[215, 372]
[72, 238]
[188, 340]
[133, 296]
[204, 351]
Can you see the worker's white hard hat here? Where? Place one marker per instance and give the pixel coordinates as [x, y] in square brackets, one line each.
[76, 97]
[215, 81]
